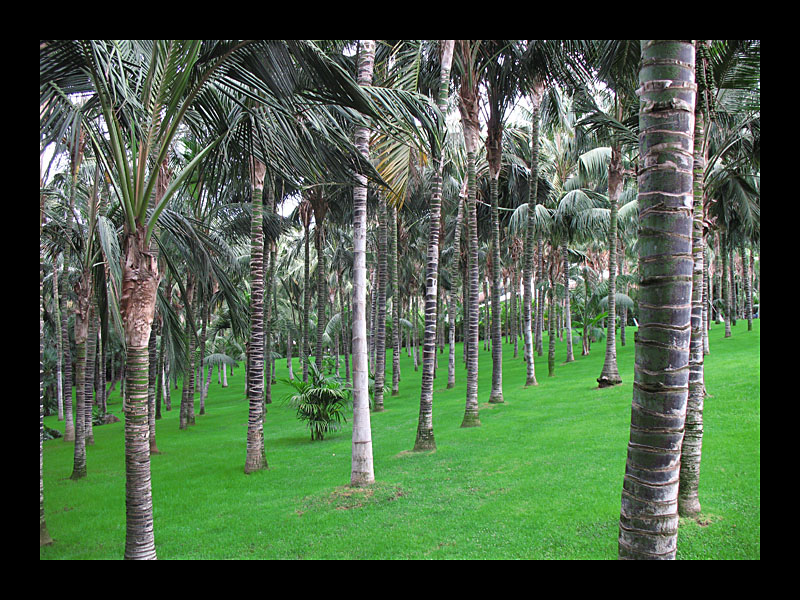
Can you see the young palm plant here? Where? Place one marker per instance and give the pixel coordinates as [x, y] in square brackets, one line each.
[321, 402]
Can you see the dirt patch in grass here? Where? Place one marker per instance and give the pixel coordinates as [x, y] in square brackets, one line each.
[347, 498]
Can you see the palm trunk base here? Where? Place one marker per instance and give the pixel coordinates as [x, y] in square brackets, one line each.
[425, 441]
[605, 381]
[496, 397]
[471, 420]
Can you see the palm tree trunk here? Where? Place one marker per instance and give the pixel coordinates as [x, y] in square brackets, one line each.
[609, 375]
[44, 534]
[69, 424]
[395, 266]
[726, 288]
[256, 458]
[551, 319]
[82, 318]
[140, 280]
[380, 333]
[425, 438]
[649, 516]
[471, 418]
[688, 501]
[567, 310]
[362, 471]
[496, 395]
[322, 294]
[152, 376]
[527, 261]
[269, 296]
[455, 276]
[306, 301]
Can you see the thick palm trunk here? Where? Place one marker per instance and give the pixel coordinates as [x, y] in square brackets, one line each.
[527, 260]
[362, 470]
[609, 375]
[649, 515]
[471, 418]
[140, 280]
[688, 501]
[425, 438]
[540, 295]
[82, 318]
[256, 459]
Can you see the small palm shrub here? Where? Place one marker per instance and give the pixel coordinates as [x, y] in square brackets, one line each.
[321, 402]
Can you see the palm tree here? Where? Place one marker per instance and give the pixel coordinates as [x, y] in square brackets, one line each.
[502, 84]
[362, 470]
[649, 515]
[425, 439]
[469, 97]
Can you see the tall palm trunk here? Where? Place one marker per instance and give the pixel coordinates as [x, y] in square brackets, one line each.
[455, 276]
[609, 375]
[187, 392]
[395, 266]
[496, 395]
[567, 310]
[425, 438]
[688, 501]
[468, 106]
[140, 278]
[726, 288]
[649, 515]
[44, 534]
[362, 470]
[306, 295]
[270, 250]
[82, 318]
[527, 260]
[380, 332]
[256, 458]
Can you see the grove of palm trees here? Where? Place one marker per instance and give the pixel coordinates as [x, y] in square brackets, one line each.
[399, 299]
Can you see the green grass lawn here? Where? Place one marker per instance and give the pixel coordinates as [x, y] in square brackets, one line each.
[541, 477]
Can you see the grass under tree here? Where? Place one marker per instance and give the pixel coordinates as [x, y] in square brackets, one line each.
[541, 477]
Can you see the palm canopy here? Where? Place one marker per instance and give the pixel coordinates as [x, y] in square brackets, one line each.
[146, 90]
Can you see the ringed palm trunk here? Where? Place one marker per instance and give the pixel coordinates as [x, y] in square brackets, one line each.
[649, 510]
[455, 276]
[425, 438]
[726, 288]
[468, 106]
[395, 265]
[362, 471]
[496, 395]
[609, 375]
[380, 330]
[306, 297]
[44, 534]
[688, 500]
[256, 459]
[567, 310]
[527, 260]
[140, 278]
[82, 318]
